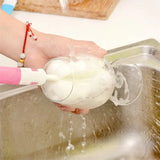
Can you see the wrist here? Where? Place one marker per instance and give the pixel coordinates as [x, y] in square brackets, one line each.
[28, 34]
[34, 55]
[12, 33]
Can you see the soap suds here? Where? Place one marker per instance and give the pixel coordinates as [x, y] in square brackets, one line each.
[84, 82]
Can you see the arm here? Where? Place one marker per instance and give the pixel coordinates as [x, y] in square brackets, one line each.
[12, 34]
[39, 52]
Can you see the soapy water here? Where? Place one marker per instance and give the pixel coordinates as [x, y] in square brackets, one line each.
[84, 81]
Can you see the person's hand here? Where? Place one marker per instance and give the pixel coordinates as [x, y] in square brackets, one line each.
[50, 46]
[39, 52]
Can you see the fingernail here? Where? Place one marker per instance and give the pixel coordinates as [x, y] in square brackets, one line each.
[78, 111]
[81, 111]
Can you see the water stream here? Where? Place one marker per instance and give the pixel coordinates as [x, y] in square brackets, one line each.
[84, 125]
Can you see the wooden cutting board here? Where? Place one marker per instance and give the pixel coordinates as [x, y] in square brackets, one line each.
[95, 9]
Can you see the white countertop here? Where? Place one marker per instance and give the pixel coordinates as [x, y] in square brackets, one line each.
[131, 21]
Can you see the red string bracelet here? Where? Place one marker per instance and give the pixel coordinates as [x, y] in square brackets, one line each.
[31, 34]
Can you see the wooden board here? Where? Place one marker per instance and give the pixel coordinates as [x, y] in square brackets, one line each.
[95, 9]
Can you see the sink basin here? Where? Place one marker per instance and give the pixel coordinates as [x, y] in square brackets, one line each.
[33, 128]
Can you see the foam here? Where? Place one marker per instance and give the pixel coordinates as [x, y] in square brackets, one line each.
[84, 82]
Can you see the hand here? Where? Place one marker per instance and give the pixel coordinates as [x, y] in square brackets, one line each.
[39, 52]
[51, 46]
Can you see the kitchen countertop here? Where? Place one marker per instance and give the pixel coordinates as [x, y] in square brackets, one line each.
[131, 21]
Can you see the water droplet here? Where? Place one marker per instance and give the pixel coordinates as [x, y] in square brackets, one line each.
[62, 135]
[70, 147]
[83, 144]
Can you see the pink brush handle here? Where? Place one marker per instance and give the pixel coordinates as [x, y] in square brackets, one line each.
[22, 76]
[9, 75]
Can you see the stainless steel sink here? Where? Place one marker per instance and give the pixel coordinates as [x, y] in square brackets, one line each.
[33, 128]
